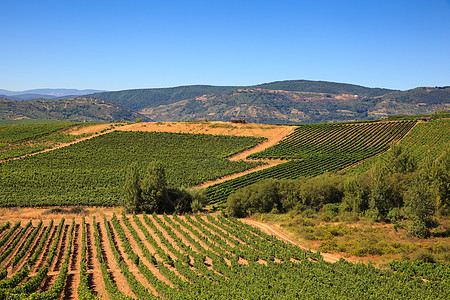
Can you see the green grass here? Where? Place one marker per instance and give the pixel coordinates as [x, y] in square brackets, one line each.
[92, 172]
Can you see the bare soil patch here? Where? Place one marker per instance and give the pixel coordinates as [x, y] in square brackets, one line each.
[278, 232]
[215, 128]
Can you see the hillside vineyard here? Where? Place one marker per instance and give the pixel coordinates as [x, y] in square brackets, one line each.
[316, 149]
[188, 257]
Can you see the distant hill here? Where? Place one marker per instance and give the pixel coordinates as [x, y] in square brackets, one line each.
[266, 106]
[290, 101]
[23, 97]
[44, 93]
[143, 98]
[421, 100]
[335, 88]
[78, 109]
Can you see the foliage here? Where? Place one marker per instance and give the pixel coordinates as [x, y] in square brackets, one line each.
[17, 140]
[77, 109]
[213, 257]
[324, 87]
[93, 172]
[316, 149]
[260, 197]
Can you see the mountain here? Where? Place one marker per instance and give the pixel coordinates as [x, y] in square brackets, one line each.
[421, 100]
[281, 106]
[44, 93]
[309, 86]
[142, 98]
[265, 106]
[75, 109]
[22, 97]
[290, 101]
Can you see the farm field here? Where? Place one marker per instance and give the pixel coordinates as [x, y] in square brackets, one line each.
[19, 140]
[116, 256]
[316, 149]
[92, 172]
[59, 178]
[426, 142]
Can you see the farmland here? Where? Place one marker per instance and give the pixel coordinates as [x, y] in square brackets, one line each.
[316, 149]
[92, 172]
[25, 139]
[118, 256]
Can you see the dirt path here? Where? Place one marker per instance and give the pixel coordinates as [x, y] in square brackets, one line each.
[275, 230]
[235, 175]
[111, 262]
[271, 141]
[73, 276]
[95, 279]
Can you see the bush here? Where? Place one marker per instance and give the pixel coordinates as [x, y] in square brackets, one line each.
[424, 256]
[261, 197]
[419, 229]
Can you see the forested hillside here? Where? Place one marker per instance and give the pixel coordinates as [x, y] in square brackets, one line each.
[292, 101]
[281, 102]
[79, 109]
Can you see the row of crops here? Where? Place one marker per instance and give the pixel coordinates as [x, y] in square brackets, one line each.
[92, 172]
[357, 140]
[18, 140]
[190, 257]
[316, 149]
[428, 139]
[425, 142]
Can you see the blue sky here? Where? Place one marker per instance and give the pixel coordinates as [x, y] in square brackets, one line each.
[116, 45]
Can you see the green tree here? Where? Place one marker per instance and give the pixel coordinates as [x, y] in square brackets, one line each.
[398, 160]
[436, 174]
[133, 198]
[154, 189]
[420, 209]
[356, 193]
[260, 197]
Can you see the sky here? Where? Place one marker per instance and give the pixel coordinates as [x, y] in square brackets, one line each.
[116, 45]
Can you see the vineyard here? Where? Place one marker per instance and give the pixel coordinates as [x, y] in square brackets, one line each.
[188, 257]
[426, 141]
[92, 172]
[316, 149]
[19, 140]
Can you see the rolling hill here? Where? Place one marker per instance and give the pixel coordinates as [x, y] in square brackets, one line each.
[79, 109]
[281, 102]
[291, 101]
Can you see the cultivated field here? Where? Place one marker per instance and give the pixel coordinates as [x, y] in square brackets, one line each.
[311, 150]
[117, 256]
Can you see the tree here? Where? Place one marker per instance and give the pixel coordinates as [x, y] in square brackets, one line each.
[150, 193]
[420, 209]
[154, 189]
[398, 160]
[133, 198]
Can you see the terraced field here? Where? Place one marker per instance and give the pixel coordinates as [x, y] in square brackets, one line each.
[187, 257]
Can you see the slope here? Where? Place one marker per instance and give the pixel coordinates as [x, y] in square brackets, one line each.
[75, 109]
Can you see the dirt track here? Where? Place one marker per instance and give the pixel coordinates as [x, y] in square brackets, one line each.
[275, 230]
